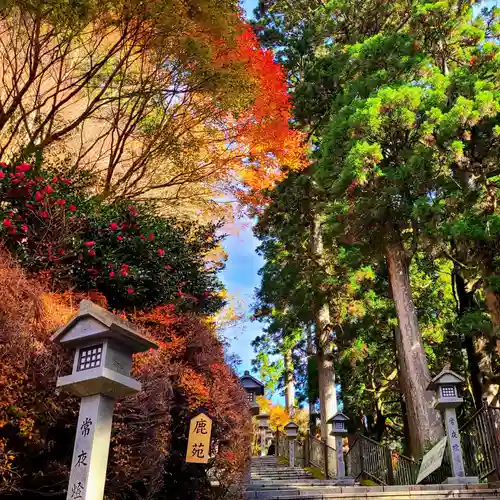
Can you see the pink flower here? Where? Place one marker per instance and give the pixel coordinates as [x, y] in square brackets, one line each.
[151, 236]
[61, 202]
[24, 167]
[112, 274]
[7, 223]
[113, 226]
[130, 290]
[44, 215]
[92, 253]
[120, 238]
[161, 252]
[38, 196]
[72, 208]
[24, 227]
[89, 243]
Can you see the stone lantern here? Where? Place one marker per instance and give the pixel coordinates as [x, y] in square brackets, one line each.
[104, 345]
[253, 388]
[291, 430]
[263, 420]
[447, 386]
[339, 430]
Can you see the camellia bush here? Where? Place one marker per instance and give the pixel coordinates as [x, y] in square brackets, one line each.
[134, 257]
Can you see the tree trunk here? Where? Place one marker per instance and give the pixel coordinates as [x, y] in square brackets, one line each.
[324, 348]
[493, 305]
[426, 426]
[310, 399]
[289, 385]
[465, 304]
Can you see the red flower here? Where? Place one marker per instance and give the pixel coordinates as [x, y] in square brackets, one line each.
[120, 238]
[72, 208]
[38, 179]
[61, 202]
[124, 226]
[2, 175]
[11, 214]
[44, 215]
[48, 189]
[142, 237]
[151, 236]
[7, 223]
[130, 290]
[113, 226]
[24, 227]
[92, 253]
[110, 265]
[124, 272]
[131, 207]
[125, 266]
[133, 214]
[67, 181]
[112, 274]
[61, 252]
[89, 243]
[38, 196]
[54, 179]
[24, 167]
[161, 252]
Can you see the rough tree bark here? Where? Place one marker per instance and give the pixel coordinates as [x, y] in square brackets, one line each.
[426, 426]
[324, 348]
[310, 399]
[466, 303]
[289, 384]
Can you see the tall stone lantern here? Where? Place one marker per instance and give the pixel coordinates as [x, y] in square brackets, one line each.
[291, 430]
[263, 419]
[339, 431]
[447, 386]
[104, 345]
[253, 388]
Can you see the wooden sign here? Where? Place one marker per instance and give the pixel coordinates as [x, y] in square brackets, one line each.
[432, 460]
[200, 430]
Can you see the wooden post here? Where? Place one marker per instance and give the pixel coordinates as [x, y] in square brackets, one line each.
[390, 470]
[361, 459]
[325, 453]
[306, 450]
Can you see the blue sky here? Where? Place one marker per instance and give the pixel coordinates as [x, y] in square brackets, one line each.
[240, 275]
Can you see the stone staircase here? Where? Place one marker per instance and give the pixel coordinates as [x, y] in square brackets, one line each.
[273, 481]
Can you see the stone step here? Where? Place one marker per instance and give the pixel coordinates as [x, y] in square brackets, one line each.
[427, 492]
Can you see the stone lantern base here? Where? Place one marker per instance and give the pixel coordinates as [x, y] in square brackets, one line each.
[462, 480]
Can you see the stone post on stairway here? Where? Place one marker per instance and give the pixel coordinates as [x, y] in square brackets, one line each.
[263, 419]
[291, 433]
[339, 431]
[447, 386]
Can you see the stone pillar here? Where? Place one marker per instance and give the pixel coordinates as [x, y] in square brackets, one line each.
[291, 452]
[340, 456]
[263, 432]
[454, 446]
[90, 455]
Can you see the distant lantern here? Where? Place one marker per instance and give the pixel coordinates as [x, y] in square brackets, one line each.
[291, 430]
[447, 386]
[263, 419]
[253, 388]
[339, 430]
[102, 364]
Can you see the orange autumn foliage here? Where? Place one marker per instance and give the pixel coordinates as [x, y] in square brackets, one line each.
[269, 146]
